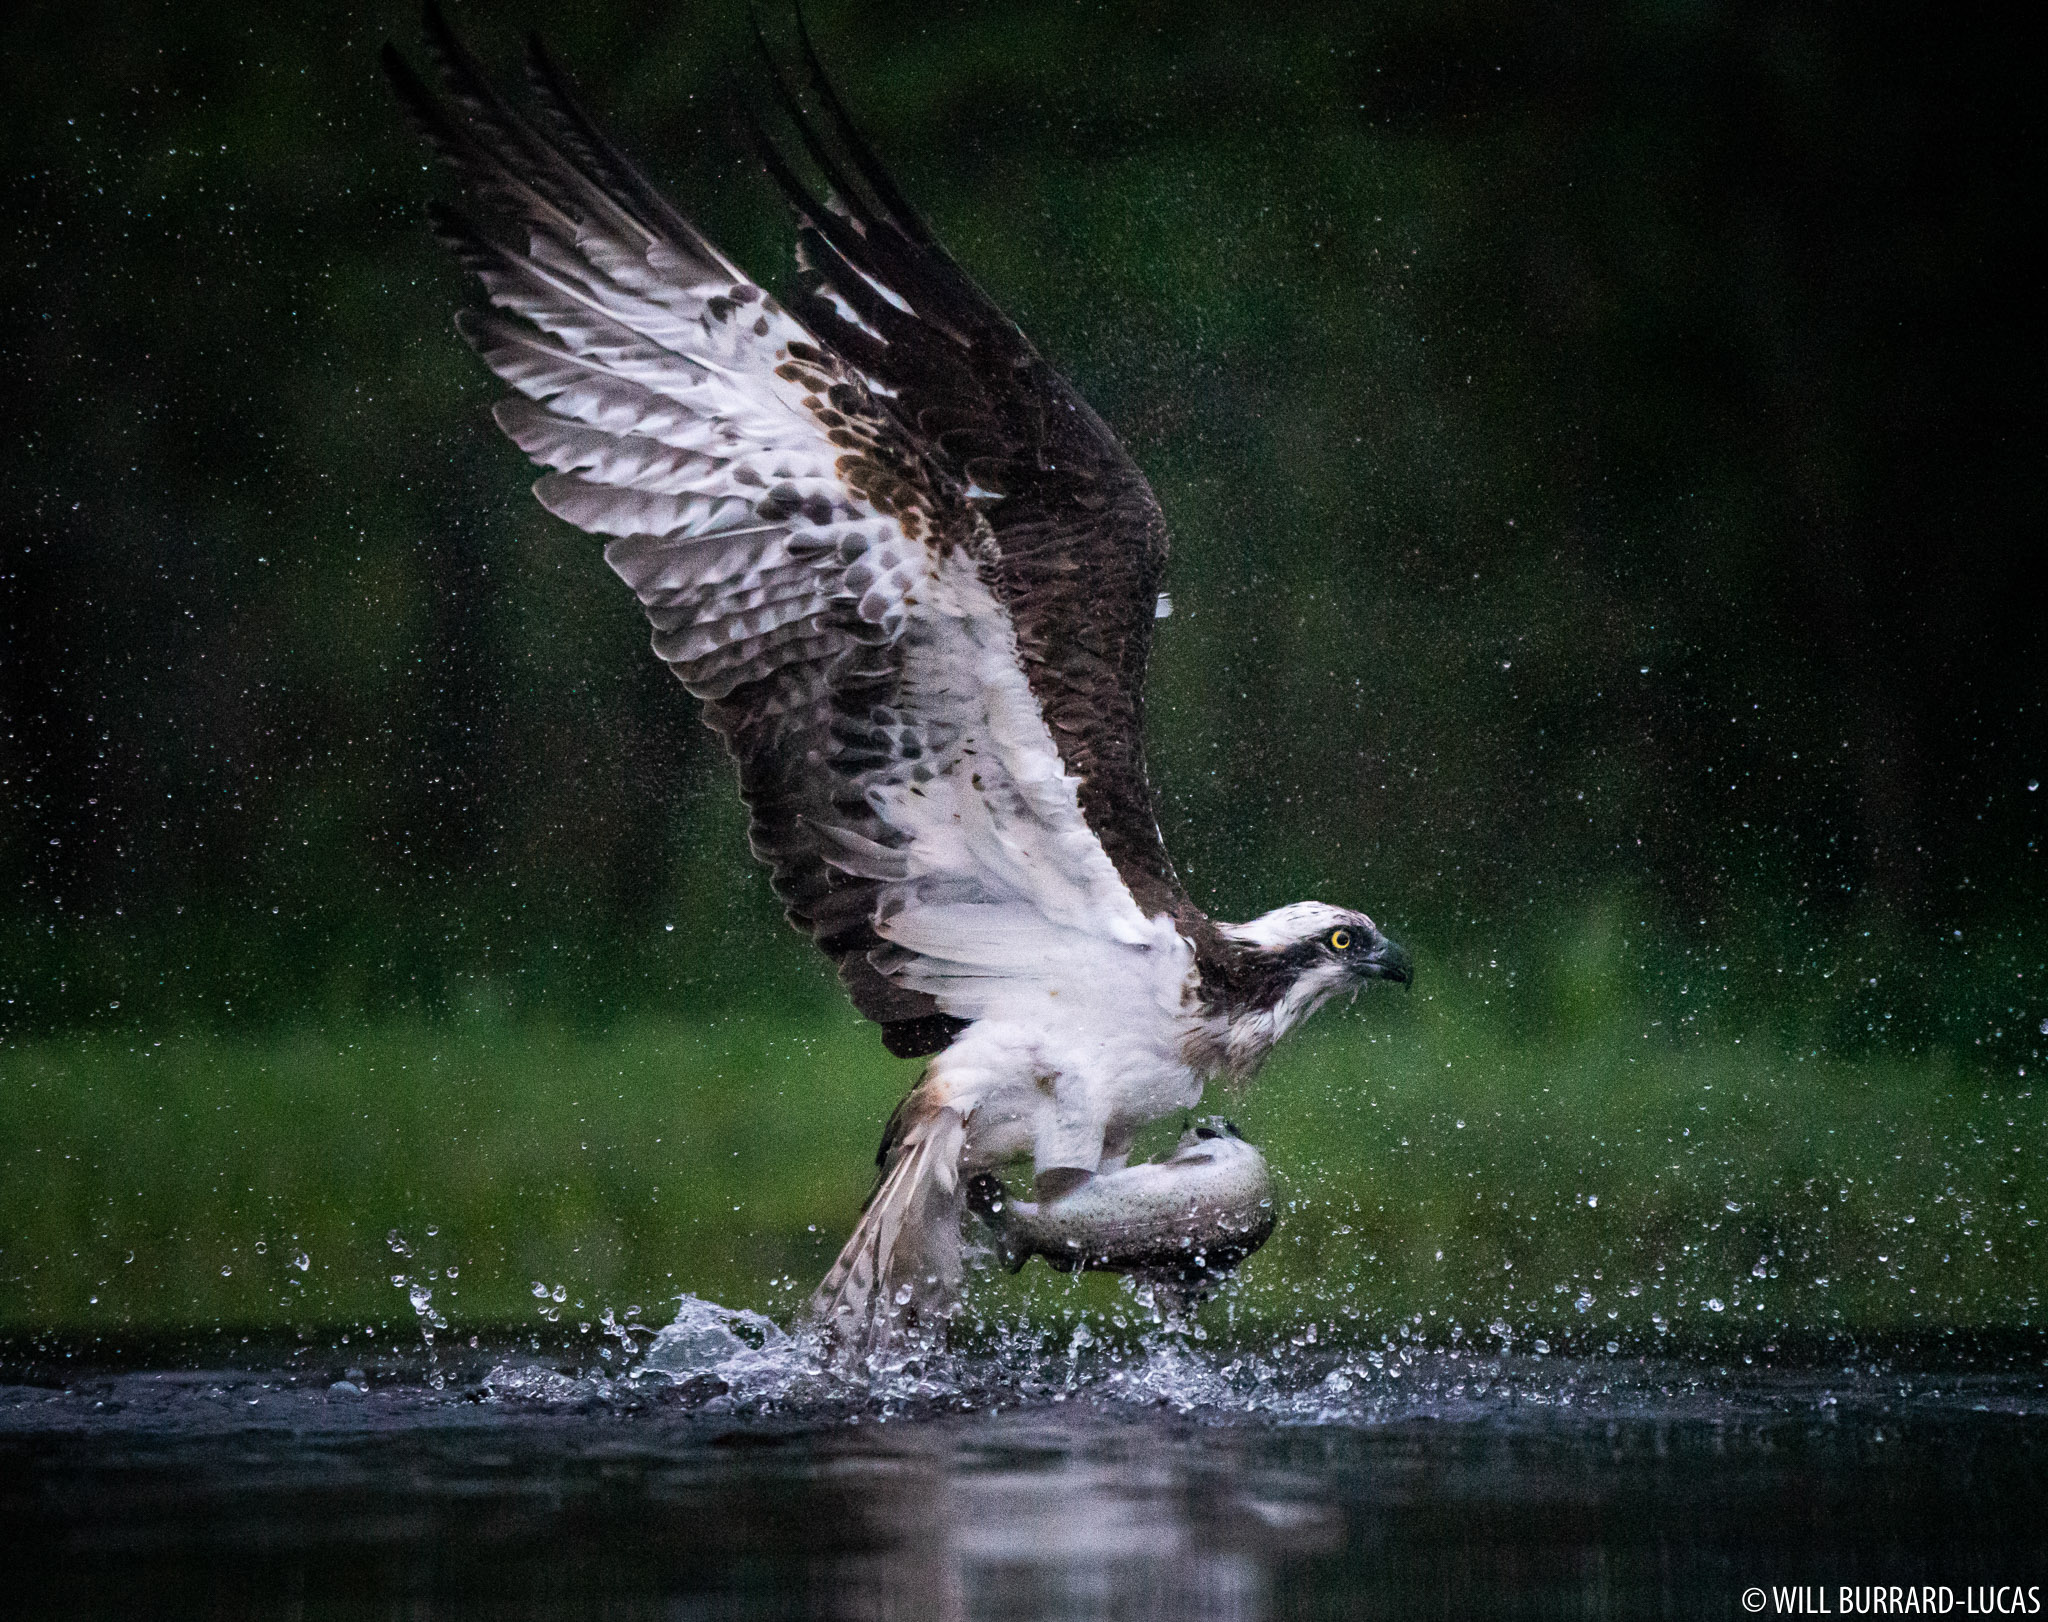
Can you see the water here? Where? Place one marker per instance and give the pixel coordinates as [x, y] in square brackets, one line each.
[1135, 1478]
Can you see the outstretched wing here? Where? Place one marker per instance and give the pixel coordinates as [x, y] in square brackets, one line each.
[827, 589]
[1081, 539]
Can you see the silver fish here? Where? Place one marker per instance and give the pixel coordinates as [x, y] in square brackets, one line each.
[1188, 1218]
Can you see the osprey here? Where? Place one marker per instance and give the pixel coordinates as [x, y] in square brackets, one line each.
[912, 578]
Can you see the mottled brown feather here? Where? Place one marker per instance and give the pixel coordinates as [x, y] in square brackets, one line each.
[1081, 540]
[967, 437]
[801, 731]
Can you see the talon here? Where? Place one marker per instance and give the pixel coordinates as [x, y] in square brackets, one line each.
[1056, 1182]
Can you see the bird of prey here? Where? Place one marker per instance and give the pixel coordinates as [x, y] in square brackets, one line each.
[912, 579]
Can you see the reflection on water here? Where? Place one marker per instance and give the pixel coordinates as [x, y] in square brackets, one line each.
[1146, 1482]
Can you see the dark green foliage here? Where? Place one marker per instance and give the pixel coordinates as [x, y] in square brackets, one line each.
[1431, 1166]
[1603, 449]
[1484, 361]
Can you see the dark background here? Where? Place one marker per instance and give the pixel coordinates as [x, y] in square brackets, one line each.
[1603, 445]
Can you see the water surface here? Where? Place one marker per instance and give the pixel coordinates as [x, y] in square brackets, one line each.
[1158, 1480]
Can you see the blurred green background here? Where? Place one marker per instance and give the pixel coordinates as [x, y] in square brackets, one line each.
[1603, 445]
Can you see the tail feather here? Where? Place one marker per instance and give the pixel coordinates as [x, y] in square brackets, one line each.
[897, 1281]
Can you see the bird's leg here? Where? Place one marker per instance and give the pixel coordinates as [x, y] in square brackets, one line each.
[1056, 1182]
[1068, 1142]
[1116, 1150]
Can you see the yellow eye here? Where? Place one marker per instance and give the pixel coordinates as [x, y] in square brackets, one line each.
[1340, 938]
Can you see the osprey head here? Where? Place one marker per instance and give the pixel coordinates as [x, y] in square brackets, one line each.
[1293, 960]
[1321, 943]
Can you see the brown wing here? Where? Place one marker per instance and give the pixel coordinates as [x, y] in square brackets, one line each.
[770, 518]
[1081, 538]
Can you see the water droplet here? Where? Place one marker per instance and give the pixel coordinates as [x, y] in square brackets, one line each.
[1584, 1301]
[226, 1272]
[1715, 1304]
[2033, 784]
[1592, 1199]
[399, 1280]
[559, 1293]
[540, 1290]
[432, 1229]
[1613, 1346]
[1543, 1346]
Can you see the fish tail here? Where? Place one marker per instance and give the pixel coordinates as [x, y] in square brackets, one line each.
[897, 1281]
[988, 1199]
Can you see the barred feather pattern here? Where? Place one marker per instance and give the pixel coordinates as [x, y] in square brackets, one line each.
[831, 595]
[1081, 542]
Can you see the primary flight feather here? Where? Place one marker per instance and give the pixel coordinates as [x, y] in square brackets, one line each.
[913, 579]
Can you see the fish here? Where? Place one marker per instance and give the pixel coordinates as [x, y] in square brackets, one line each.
[1187, 1219]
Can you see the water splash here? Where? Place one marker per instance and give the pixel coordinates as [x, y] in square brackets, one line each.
[706, 1338]
[715, 1359]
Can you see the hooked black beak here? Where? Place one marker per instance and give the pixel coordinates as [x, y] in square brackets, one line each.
[1389, 961]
